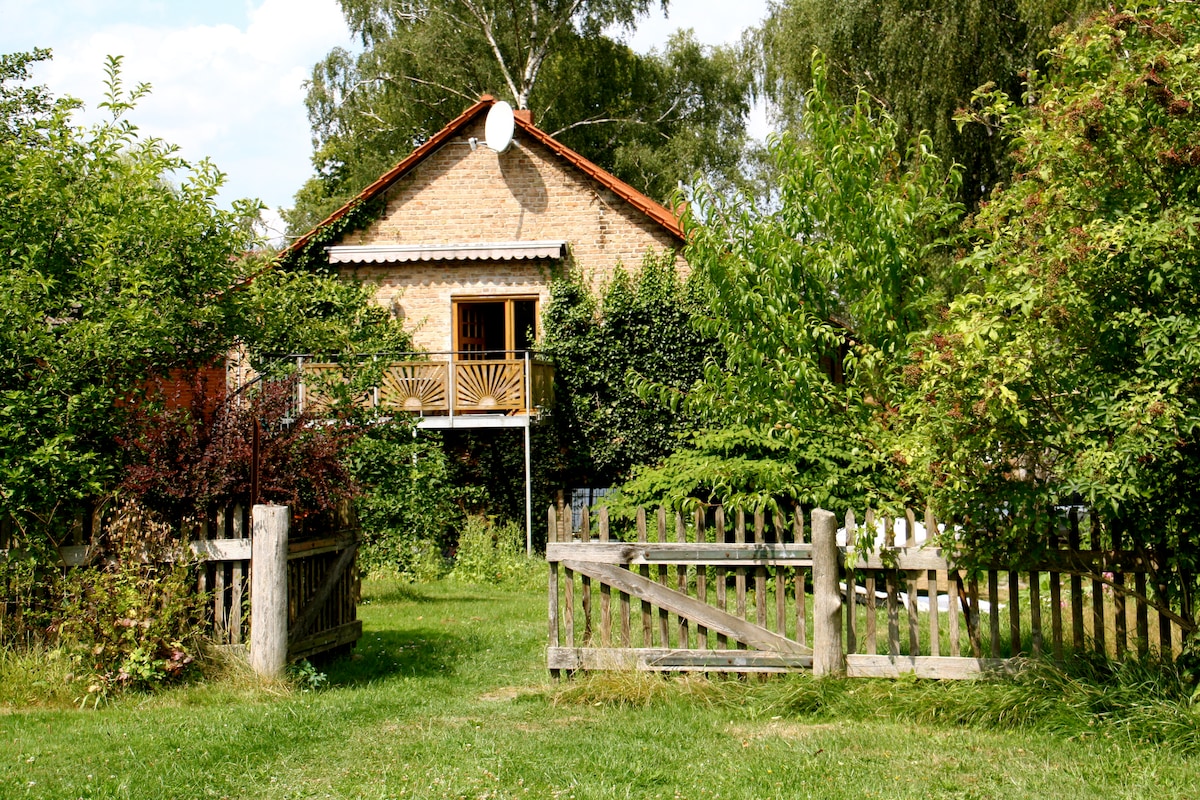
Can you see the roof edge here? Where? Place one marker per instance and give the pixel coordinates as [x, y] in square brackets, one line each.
[656, 211]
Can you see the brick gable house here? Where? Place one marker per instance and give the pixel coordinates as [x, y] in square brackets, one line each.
[468, 239]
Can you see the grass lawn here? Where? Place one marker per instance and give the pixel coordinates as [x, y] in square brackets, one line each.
[447, 696]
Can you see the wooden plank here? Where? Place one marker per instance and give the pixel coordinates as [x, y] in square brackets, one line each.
[851, 599]
[973, 616]
[666, 660]
[1099, 632]
[321, 592]
[221, 549]
[872, 612]
[722, 599]
[220, 610]
[568, 584]
[693, 554]
[828, 638]
[647, 627]
[801, 575]
[760, 572]
[1120, 622]
[681, 583]
[1163, 594]
[605, 589]
[780, 581]
[739, 578]
[326, 640]
[931, 591]
[701, 579]
[994, 611]
[892, 588]
[663, 613]
[1142, 616]
[914, 633]
[1035, 612]
[1076, 584]
[1014, 613]
[733, 626]
[953, 592]
[585, 591]
[1056, 602]
[931, 531]
[235, 607]
[943, 668]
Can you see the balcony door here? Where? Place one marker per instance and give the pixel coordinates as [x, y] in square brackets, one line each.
[489, 327]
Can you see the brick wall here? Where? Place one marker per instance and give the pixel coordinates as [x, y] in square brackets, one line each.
[460, 195]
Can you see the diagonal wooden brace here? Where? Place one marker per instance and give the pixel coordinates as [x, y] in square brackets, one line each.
[701, 613]
[306, 618]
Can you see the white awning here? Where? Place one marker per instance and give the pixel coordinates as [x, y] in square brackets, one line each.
[484, 251]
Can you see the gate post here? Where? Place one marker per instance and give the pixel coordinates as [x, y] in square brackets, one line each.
[268, 591]
[828, 657]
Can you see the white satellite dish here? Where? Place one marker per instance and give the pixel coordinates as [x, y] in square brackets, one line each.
[498, 128]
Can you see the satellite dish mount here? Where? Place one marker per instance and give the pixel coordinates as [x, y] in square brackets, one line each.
[498, 127]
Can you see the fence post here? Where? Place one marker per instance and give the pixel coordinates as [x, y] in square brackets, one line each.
[828, 656]
[268, 591]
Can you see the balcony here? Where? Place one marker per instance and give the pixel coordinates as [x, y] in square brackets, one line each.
[461, 389]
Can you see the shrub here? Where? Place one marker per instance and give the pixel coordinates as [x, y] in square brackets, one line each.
[490, 553]
[409, 508]
[132, 620]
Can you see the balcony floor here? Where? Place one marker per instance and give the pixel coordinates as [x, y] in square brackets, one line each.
[475, 421]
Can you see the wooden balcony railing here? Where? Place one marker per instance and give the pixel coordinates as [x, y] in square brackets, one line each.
[509, 382]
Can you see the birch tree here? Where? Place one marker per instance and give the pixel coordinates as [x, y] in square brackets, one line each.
[653, 120]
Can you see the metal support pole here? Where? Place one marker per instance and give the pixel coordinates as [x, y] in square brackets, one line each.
[528, 493]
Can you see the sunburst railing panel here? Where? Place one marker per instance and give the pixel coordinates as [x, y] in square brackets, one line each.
[414, 386]
[489, 385]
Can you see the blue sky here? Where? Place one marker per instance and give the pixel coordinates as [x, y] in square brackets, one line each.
[227, 75]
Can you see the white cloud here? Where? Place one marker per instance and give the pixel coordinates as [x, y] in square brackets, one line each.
[232, 92]
[228, 75]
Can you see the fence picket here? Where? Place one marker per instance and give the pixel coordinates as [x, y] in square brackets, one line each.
[801, 610]
[1120, 629]
[647, 627]
[701, 579]
[681, 581]
[605, 589]
[780, 580]
[760, 643]
[663, 613]
[1077, 639]
[722, 599]
[739, 534]
[851, 589]
[585, 582]
[911, 578]
[1014, 613]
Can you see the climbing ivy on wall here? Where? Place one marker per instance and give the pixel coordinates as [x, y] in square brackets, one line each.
[640, 331]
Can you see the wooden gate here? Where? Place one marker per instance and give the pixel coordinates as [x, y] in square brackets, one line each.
[801, 601]
[682, 627]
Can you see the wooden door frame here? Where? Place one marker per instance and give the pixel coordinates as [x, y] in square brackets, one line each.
[510, 328]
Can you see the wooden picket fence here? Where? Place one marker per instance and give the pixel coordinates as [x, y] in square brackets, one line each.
[734, 592]
[322, 581]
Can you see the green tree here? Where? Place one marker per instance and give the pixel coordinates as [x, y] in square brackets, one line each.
[115, 263]
[653, 120]
[642, 329]
[850, 261]
[116, 267]
[922, 60]
[1068, 371]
